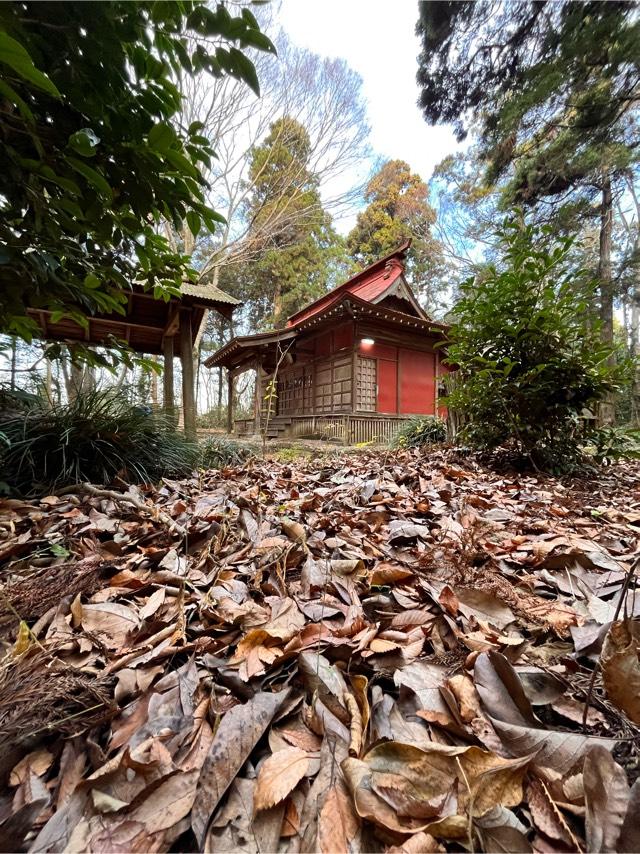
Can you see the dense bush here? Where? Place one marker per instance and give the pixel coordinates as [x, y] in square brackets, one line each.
[528, 354]
[97, 437]
[425, 430]
[219, 451]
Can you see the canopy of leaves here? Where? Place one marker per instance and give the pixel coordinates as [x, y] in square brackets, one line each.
[296, 259]
[93, 159]
[550, 85]
[527, 351]
[397, 209]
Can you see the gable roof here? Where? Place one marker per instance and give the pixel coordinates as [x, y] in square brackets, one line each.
[380, 279]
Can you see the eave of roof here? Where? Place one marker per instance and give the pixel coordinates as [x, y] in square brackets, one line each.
[351, 284]
[347, 304]
[208, 294]
[363, 307]
[246, 342]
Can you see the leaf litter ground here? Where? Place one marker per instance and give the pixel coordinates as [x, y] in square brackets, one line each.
[364, 652]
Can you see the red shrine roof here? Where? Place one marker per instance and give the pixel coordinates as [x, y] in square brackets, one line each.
[369, 284]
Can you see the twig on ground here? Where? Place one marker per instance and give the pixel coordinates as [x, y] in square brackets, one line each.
[99, 492]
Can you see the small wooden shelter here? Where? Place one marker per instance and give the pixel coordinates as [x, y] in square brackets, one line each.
[151, 326]
[352, 364]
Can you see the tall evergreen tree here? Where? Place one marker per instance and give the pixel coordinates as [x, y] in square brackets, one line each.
[551, 88]
[397, 209]
[296, 261]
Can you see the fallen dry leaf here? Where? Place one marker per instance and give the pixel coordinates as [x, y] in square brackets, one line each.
[620, 662]
[355, 652]
[279, 775]
[234, 740]
[606, 796]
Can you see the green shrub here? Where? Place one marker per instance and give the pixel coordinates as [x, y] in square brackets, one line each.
[610, 444]
[528, 353]
[218, 451]
[94, 438]
[427, 430]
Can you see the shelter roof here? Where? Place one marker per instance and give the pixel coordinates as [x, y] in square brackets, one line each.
[145, 321]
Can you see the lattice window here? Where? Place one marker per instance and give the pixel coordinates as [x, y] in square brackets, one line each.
[366, 384]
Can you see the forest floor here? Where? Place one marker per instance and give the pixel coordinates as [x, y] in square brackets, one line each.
[381, 651]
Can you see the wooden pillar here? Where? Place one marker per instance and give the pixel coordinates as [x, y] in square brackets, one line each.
[168, 403]
[257, 400]
[188, 387]
[229, 401]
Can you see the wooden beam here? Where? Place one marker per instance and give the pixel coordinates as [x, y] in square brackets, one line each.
[167, 379]
[188, 385]
[173, 320]
[229, 402]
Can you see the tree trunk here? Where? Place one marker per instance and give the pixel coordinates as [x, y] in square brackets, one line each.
[230, 401]
[634, 346]
[48, 382]
[277, 305]
[14, 361]
[606, 415]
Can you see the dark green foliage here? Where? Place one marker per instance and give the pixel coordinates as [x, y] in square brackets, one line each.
[416, 432]
[96, 438]
[219, 451]
[508, 62]
[92, 155]
[397, 208]
[528, 354]
[552, 90]
[610, 444]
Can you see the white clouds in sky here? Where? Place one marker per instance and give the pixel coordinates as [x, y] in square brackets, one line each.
[377, 39]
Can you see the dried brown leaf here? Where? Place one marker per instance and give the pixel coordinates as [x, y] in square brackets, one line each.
[606, 794]
[237, 735]
[279, 775]
[503, 704]
[621, 667]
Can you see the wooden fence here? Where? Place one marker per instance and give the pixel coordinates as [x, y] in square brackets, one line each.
[348, 429]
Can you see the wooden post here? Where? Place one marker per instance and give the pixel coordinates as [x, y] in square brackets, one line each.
[257, 400]
[167, 378]
[188, 388]
[229, 401]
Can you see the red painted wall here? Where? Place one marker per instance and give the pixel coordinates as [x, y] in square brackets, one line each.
[387, 386]
[417, 382]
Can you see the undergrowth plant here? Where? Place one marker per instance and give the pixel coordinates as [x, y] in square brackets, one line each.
[219, 451]
[423, 430]
[97, 437]
[528, 356]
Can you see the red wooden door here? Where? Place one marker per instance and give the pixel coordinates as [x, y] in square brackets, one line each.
[417, 372]
[387, 386]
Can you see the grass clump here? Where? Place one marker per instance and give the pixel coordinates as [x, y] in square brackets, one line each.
[416, 432]
[97, 437]
[216, 452]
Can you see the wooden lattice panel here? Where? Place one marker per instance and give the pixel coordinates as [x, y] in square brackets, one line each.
[366, 384]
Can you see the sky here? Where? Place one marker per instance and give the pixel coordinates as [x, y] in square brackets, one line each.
[378, 40]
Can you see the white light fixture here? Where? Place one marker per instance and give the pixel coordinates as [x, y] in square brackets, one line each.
[367, 341]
